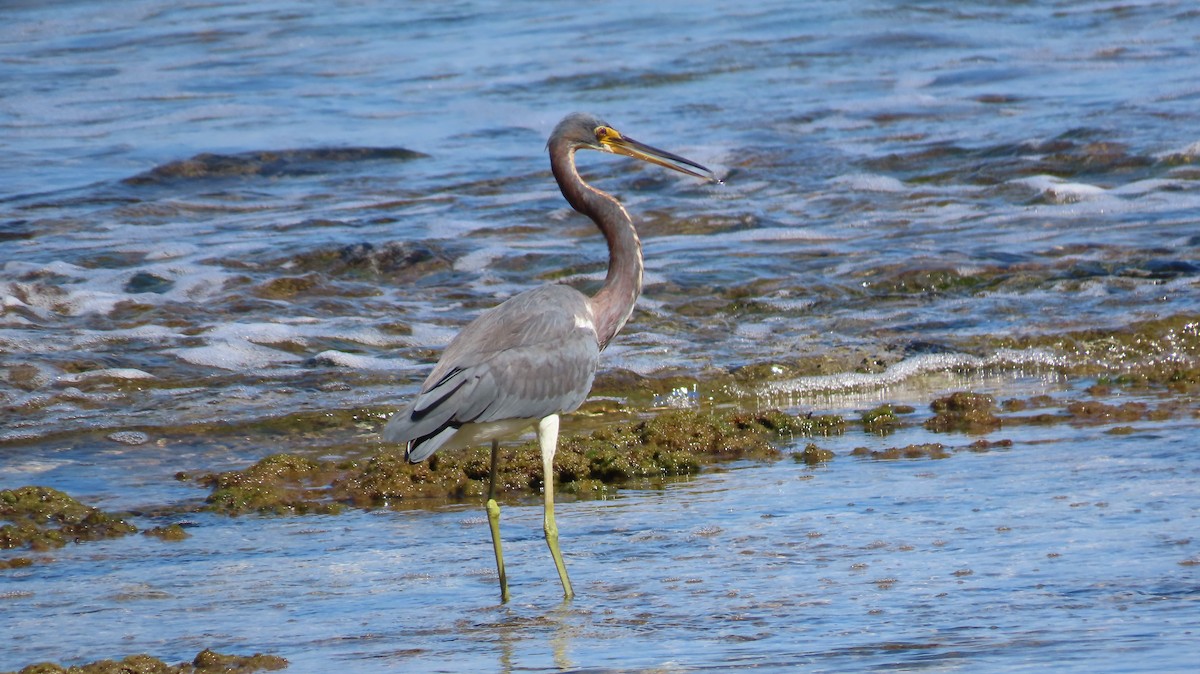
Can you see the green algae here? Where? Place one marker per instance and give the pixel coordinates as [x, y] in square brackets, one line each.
[812, 455]
[41, 518]
[734, 385]
[881, 420]
[977, 413]
[671, 444]
[286, 287]
[639, 389]
[205, 662]
[1161, 352]
[981, 446]
[388, 479]
[26, 377]
[209, 660]
[1096, 412]
[280, 484]
[824, 425]
[398, 261]
[965, 412]
[930, 450]
[931, 282]
[170, 532]
[1091, 412]
[1158, 354]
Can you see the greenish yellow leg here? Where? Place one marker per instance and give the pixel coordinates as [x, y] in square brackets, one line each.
[493, 512]
[548, 439]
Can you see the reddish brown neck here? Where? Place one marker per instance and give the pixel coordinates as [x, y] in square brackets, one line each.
[613, 303]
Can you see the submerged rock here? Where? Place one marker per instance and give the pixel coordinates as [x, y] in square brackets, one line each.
[129, 437]
[267, 163]
[930, 450]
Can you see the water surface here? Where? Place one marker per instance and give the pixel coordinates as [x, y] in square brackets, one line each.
[904, 183]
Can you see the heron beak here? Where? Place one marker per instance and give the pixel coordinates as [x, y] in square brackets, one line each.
[620, 144]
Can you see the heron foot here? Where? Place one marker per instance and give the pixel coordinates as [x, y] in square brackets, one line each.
[493, 512]
[552, 540]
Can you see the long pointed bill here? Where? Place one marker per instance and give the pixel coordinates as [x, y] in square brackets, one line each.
[638, 150]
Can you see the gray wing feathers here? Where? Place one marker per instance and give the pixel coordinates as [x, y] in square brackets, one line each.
[525, 359]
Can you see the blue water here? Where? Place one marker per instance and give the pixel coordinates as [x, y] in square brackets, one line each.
[1072, 550]
[1045, 152]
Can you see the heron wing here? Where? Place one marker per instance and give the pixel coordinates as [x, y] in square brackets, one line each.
[532, 356]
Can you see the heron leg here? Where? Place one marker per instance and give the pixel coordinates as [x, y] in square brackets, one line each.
[493, 512]
[548, 439]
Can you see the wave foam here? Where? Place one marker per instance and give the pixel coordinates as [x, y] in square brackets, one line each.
[235, 355]
[354, 361]
[1060, 191]
[868, 182]
[908, 369]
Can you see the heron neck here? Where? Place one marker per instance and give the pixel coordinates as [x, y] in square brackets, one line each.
[613, 303]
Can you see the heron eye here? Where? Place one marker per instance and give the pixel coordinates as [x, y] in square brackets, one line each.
[601, 132]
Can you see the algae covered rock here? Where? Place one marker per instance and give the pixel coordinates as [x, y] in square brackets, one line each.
[41, 518]
[206, 662]
[881, 419]
[930, 450]
[963, 411]
[813, 455]
[674, 443]
[279, 483]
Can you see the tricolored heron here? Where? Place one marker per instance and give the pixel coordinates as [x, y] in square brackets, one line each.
[534, 356]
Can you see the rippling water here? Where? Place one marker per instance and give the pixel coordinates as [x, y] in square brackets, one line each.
[1066, 551]
[903, 181]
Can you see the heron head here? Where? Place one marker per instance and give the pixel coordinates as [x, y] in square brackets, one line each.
[584, 131]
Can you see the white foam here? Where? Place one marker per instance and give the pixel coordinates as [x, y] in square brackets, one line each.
[453, 229]
[194, 283]
[11, 301]
[868, 182]
[774, 234]
[1191, 151]
[1060, 191]
[129, 437]
[300, 331]
[753, 331]
[170, 251]
[110, 373]
[481, 259]
[907, 369]
[28, 467]
[1140, 187]
[369, 337]
[99, 291]
[427, 334]
[86, 339]
[259, 333]
[357, 362]
[235, 355]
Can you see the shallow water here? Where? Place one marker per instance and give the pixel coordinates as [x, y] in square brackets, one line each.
[904, 182]
[1073, 548]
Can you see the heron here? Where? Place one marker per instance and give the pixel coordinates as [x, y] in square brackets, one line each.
[534, 357]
